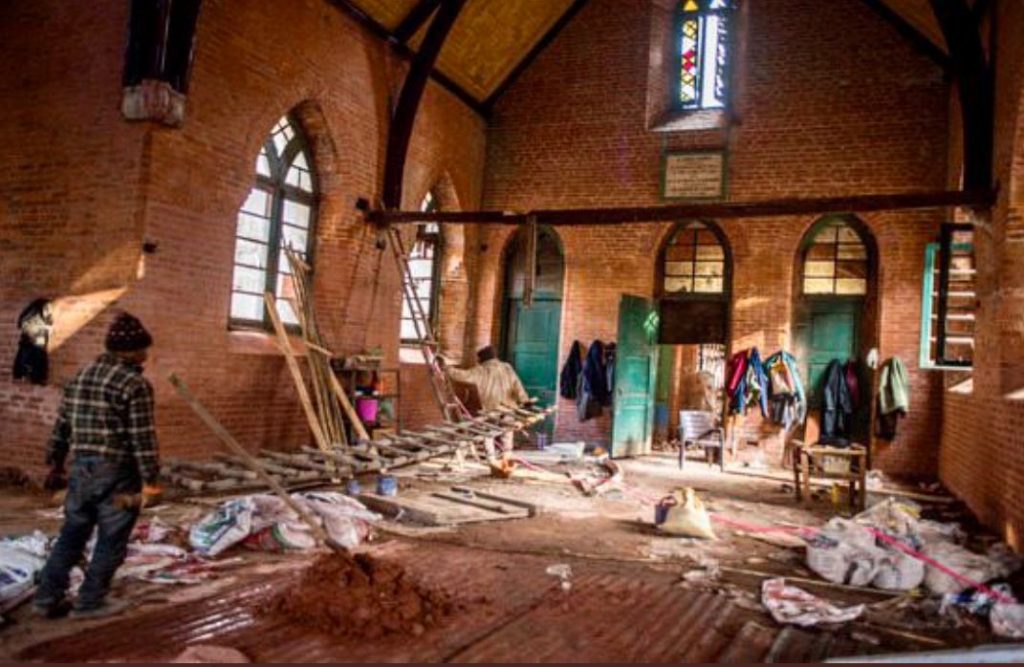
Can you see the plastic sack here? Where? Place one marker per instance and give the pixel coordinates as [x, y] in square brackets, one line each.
[795, 606]
[898, 572]
[21, 558]
[345, 519]
[972, 566]
[686, 515]
[1007, 620]
[843, 563]
[226, 526]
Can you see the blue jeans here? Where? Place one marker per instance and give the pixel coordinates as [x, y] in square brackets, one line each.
[91, 502]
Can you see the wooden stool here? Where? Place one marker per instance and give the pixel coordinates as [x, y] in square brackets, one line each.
[849, 464]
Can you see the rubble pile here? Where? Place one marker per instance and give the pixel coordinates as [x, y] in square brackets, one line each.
[362, 597]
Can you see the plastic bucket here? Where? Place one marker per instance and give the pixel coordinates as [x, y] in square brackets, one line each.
[367, 408]
[353, 488]
[387, 486]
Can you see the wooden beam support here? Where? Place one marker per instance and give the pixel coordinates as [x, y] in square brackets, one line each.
[416, 17]
[976, 86]
[528, 59]
[409, 101]
[653, 214]
[919, 40]
[405, 53]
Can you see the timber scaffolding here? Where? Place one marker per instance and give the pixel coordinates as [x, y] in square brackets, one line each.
[327, 407]
[311, 466]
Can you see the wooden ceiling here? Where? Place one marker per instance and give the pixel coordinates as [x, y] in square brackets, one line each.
[493, 39]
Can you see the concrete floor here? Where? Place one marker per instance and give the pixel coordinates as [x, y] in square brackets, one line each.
[628, 601]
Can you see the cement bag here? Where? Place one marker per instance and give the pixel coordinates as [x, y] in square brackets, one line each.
[345, 519]
[226, 526]
[972, 566]
[686, 515]
[21, 558]
[843, 563]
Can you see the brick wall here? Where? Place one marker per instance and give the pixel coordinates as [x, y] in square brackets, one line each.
[981, 436]
[82, 188]
[830, 100]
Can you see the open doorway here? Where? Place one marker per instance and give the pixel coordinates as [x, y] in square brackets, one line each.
[530, 334]
[694, 277]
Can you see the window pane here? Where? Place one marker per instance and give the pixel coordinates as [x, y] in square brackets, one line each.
[251, 253]
[296, 214]
[821, 252]
[710, 252]
[421, 268]
[679, 253]
[709, 285]
[295, 238]
[847, 251]
[285, 286]
[247, 307]
[819, 269]
[249, 280]
[848, 235]
[818, 286]
[299, 178]
[709, 268]
[286, 312]
[678, 269]
[257, 203]
[852, 270]
[851, 286]
[408, 330]
[689, 62]
[262, 163]
[678, 284]
[251, 227]
[827, 235]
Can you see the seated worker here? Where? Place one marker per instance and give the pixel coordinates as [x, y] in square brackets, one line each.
[497, 384]
[105, 421]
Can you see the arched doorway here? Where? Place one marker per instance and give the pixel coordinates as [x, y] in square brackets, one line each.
[530, 334]
[834, 313]
[693, 283]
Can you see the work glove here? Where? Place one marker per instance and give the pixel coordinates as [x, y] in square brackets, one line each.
[151, 494]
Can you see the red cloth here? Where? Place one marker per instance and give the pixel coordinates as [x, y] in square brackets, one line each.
[737, 371]
[853, 384]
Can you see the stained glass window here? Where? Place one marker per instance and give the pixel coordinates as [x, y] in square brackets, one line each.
[424, 264]
[835, 261]
[694, 261]
[278, 213]
[704, 29]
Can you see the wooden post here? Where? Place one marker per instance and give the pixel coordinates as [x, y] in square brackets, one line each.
[531, 261]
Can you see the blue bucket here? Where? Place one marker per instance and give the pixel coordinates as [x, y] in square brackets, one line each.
[387, 486]
[352, 488]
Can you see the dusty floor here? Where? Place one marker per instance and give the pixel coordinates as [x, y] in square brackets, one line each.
[628, 600]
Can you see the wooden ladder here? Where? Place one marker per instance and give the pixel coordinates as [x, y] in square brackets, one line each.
[451, 407]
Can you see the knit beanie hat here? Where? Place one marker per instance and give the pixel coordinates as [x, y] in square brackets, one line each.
[127, 334]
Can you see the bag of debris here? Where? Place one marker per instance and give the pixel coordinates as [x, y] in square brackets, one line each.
[795, 606]
[929, 531]
[898, 571]
[895, 517]
[345, 519]
[842, 563]
[970, 566]
[226, 526]
[686, 515]
[1007, 620]
[21, 558]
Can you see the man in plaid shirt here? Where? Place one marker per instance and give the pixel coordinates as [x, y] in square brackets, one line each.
[105, 421]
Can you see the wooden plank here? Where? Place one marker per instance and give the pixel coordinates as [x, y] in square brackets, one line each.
[434, 511]
[532, 509]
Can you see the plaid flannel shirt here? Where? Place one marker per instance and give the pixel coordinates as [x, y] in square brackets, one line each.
[107, 410]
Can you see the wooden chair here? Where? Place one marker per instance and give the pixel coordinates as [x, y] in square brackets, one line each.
[699, 428]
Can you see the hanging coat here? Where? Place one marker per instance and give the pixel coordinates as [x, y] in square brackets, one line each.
[31, 361]
[571, 372]
[593, 384]
[736, 385]
[757, 382]
[893, 398]
[786, 391]
[853, 383]
[836, 407]
[609, 371]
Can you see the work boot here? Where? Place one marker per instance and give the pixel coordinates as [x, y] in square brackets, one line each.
[105, 608]
[51, 611]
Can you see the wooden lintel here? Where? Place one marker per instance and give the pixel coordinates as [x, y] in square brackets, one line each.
[714, 210]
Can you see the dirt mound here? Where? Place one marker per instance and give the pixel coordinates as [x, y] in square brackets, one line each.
[364, 597]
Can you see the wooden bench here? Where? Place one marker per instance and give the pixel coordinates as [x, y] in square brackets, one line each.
[849, 464]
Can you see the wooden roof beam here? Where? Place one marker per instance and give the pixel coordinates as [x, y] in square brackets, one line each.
[919, 40]
[416, 17]
[403, 51]
[697, 210]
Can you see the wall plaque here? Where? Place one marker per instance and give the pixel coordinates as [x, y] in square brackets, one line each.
[693, 175]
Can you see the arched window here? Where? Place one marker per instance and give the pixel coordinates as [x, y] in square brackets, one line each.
[279, 213]
[425, 267]
[694, 261]
[703, 38]
[835, 260]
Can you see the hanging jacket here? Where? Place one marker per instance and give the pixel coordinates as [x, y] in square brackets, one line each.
[609, 371]
[32, 361]
[571, 372]
[757, 382]
[592, 389]
[736, 386]
[786, 390]
[893, 387]
[836, 407]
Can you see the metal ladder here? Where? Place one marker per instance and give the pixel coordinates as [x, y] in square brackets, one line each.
[451, 407]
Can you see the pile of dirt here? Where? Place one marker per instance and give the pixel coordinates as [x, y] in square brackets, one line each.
[363, 597]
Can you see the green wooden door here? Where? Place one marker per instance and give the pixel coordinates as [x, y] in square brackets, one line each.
[532, 347]
[829, 331]
[636, 365]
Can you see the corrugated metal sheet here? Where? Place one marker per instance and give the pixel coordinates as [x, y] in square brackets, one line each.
[613, 613]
